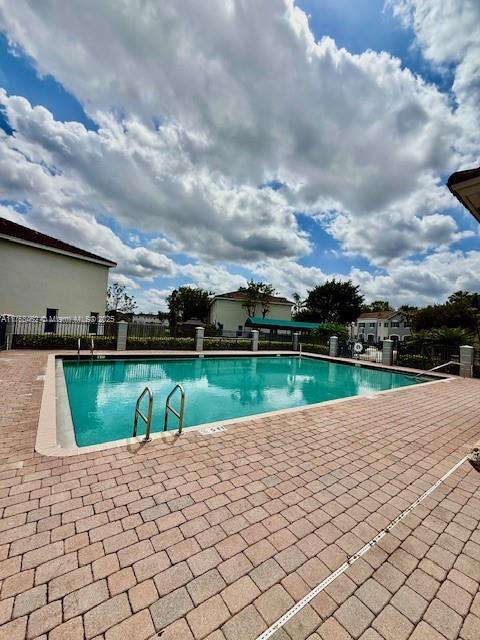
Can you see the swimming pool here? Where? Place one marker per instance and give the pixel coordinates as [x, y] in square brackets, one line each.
[102, 393]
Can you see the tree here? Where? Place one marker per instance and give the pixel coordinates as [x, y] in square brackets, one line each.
[266, 294]
[452, 337]
[334, 301]
[452, 315]
[186, 303]
[257, 293]
[328, 329]
[466, 299]
[299, 303]
[378, 305]
[118, 301]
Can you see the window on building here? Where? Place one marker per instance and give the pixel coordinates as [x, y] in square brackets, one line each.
[51, 321]
[395, 324]
[406, 323]
[372, 324]
[93, 326]
[385, 324]
[361, 324]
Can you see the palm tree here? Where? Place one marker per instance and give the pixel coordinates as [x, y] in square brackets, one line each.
[299, 303]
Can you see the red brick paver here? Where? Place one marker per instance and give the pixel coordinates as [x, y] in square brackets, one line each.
[216, 536]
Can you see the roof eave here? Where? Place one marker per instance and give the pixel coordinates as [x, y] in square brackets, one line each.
[222, 297]
[464, 185]
[70, 254]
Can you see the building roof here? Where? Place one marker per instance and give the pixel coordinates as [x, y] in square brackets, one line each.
[193, 322]
[381, 315]
[273, 323]
[240, 295]
[465, 186]
[18, 233]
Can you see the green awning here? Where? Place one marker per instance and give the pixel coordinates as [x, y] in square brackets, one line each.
[274, 323]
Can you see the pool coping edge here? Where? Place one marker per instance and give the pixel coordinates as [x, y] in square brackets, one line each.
[47, 440]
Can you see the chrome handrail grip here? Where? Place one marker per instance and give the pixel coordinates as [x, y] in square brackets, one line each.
[440, 366]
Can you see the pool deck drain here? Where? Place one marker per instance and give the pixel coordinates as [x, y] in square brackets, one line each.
[216, 538]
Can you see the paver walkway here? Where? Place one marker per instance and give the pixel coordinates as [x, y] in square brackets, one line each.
[217, 536]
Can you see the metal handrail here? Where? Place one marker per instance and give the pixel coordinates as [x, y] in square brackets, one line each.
[91, 347]
[440, 366]
[174, 411]
[146, 418]
[79, 345]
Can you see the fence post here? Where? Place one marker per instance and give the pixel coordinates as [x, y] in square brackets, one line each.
[333, 352]
[9, 331]
[295, 341]
[466, 361]
[199, 334]
[387, 352]
[254, 340]
[122, 329]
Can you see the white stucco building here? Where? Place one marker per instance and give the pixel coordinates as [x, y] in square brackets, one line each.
[381, 325]
[227, 312]
[43, 276]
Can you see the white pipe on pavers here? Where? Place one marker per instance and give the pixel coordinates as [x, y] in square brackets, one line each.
[268, 633]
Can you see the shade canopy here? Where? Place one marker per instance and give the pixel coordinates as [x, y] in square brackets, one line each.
[274, 323]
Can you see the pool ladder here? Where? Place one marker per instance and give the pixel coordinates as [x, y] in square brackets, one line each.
[148, 418]
[168, 408]
[79, 347]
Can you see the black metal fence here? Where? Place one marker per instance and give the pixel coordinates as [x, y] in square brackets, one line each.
[427, 356]
[314, 344]
[67, 327]
[144, 330]
[64, 333]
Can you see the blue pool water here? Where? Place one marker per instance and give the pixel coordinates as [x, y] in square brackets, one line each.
[102, 393]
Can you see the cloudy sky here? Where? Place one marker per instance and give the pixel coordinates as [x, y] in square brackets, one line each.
[209, 142]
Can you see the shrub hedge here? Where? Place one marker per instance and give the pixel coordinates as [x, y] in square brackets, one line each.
[227, 345]
[423, 362]
[414, 361]
[55, 341]
[183, 344]
[274, 346]
[321, 349]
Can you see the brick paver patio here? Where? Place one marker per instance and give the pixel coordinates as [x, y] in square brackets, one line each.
[217, 536]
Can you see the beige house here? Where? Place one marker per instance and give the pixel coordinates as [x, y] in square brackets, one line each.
[381, 325]
[227, 312]
[43, 276]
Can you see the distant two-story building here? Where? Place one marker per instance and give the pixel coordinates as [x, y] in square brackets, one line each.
[381, 325]
[48, 278]
[228, 314]
[149, 318]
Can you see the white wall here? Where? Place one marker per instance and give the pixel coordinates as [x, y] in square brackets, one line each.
[231, 314]
[32, 279]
